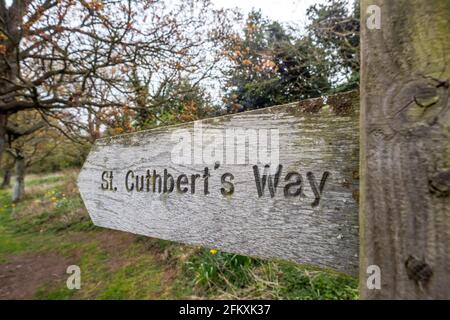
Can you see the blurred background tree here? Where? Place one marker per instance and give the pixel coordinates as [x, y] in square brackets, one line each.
[335, 29]
[178, 100]
[272, 67]
[273, 64]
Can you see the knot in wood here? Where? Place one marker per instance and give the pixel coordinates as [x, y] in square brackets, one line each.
[440, 184]
[415, 105]
[418, 270]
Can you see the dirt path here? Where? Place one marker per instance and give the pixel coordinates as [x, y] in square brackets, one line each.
[23, 274]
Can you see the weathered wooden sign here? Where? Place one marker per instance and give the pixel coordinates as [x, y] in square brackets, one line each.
[280, 182]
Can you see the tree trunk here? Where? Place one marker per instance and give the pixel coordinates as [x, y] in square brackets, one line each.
[19, 187]
[11, 20]
[405, 150]
[6, 179]
[6, 76]
[2, 136]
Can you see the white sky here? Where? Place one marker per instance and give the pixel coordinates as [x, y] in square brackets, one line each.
[290, 11]
[282, 10]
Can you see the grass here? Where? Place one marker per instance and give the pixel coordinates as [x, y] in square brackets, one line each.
[51, 222]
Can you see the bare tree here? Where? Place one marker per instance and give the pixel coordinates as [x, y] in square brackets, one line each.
[19, 139]
[70, 59]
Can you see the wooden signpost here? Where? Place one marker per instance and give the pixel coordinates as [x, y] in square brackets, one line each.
[280, 182]
[405, 149]
[283, 182]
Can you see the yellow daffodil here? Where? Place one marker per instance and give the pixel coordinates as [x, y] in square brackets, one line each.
[213, 251]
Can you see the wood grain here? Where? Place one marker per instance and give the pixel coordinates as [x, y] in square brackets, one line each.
[405, 150]
[315, 137]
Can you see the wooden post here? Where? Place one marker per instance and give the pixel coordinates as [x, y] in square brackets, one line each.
[405, 149]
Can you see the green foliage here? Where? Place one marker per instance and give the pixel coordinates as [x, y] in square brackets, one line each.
[218, 270]
[49, 179]
[9, 244]
[54, 219]
[297, 282]
[335, 29]
[133, 281]
[177, 101]
[49, 293]
[244, 277]
[64, 156]
[272, 65]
